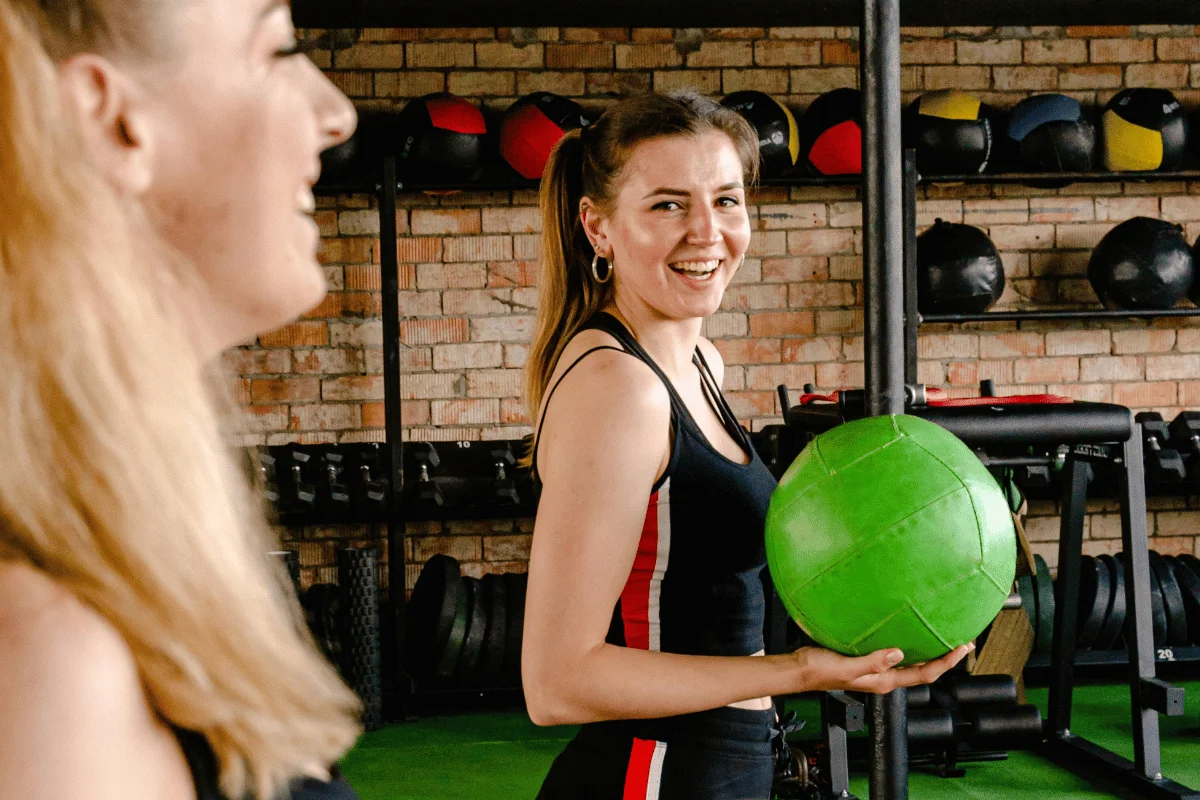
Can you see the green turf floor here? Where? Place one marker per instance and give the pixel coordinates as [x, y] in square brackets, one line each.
[499, 756]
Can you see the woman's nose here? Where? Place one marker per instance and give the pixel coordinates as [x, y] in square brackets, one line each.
[702, 226]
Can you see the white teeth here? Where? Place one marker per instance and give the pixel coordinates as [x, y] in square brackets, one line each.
[696, 267]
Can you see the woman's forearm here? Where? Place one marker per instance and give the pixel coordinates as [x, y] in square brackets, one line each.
[611, 682]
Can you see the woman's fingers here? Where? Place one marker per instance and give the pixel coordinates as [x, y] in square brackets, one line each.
[878, 680]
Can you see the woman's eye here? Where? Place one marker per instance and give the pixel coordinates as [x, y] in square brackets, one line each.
[668, 205]
[296, 48]
[729, 202]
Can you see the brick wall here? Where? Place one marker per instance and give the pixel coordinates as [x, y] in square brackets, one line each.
[793, 316]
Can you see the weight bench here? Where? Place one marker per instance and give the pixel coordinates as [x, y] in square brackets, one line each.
[1077, 434]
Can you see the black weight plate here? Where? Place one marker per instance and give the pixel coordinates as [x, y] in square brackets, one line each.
[1189, 586]
[495, 593]
[1191, 562]
[468, 662]
[1177, 633]
[1114, 617]
[1095, 596]
[428, 618]
[1028, 601]
[1158, 612]
[449, 652]
[1044, 587]
[516, 622]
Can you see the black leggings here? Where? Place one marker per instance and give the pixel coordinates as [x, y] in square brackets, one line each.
[723, 754]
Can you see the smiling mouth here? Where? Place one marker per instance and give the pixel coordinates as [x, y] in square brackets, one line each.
[696, 269]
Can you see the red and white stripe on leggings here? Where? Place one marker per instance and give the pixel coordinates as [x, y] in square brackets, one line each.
[643, 779]
[641, 606]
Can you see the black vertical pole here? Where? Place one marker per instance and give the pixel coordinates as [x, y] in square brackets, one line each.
[389, 271]
[883, 261]
[911, 318]
[1070, 548]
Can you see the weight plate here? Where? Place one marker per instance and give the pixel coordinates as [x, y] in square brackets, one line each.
[428, 618]
[1028, 603]
[495, 592]
[449, 652]
[516, 621]
[1177, 633]
[1044, 588]
[468, 662]
[1189, 586]
[1191, 562]
[1114, 617]
[1158, 612]
[1095, 596]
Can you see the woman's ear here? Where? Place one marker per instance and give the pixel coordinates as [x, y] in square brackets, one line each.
[595, 227]
[113, 127]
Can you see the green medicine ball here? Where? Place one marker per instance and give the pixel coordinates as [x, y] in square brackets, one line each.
[889, 532]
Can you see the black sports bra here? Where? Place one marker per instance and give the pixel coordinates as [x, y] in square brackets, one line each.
[203, 764]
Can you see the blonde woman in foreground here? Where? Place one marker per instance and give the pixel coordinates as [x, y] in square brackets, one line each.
[156, 161]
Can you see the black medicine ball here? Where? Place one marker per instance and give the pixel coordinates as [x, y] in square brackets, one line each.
[1142, 263]
[951, 132]
[439, 138]
[959, 270]
[1049, 133]
[778, 135]
[345, 163]
[831, 133]
[532, 126]
[1144, 130]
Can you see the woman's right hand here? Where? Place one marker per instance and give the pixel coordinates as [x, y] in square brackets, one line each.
[876, 673]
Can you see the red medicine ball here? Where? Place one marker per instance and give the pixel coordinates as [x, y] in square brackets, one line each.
[532, 126]
[831, 133]
[440, 138]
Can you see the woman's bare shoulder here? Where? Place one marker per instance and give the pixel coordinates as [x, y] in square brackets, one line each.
[73, 711]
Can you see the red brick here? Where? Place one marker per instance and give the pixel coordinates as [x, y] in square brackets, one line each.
[433, 331]
[298, 334]
[1046, 370]
[1157, 76]
[1007, 51]
[793, 376]
[794, 215]
[480, 83]
[844, 321]
[807, 351]
[370, 56]
[754, 297]
[595, 34]
[1144, 395]
[927, 51]
[1077, 343]
[617, 84]
[345, 250]
[1092, 31]
[598, 55]
[568, 84]
[840, 376]
[431, 386]
[506, 274]
[752, 404]
[948, 345]
[513, 411]
[494, 383]
[325, 417]
[964, 78]
[820, 242]
[329, 361]
[782, 323]
[701, 80]
[466, 412]
[748, 351]
[1055, 51]
[722, 54]
[353, 387]
[505, 54]
[769, 81]
[820, 295]
[1028, 79]
[1179, 49]
[995, 212]
[1144, 341]
[647, 56]
[1022, 237]
[1121, 51]
[1119, 209]
[241, 361]
[840, 52]
[421, 249]
[1090, 77]
[510, 328]
[803, 32]
[786, 53]
[818, 80]
[474, 355]
[1189, 393]
[445, 220]
[478, 248]
[1172, 367]
[1111, 369]
[408, 84]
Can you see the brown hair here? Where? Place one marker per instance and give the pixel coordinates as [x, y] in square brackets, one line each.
[116, 479]
[588, 163]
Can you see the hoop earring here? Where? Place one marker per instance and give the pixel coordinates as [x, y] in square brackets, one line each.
[596, 272]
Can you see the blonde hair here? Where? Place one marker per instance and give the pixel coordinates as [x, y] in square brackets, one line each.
[588, 163]
[116, 480]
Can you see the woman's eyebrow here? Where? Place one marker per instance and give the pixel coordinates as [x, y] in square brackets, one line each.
[682, 193]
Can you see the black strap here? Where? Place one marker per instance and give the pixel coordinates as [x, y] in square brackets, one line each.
[717, 399]
[546, 405]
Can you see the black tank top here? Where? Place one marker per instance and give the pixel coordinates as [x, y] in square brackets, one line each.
[696, 582]
[203, 765]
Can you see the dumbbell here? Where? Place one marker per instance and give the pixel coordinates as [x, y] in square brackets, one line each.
[504, 487]
[1185, 435]
[426, 456]
[373, 490]
[339, 493]
[303, 492]
[1163, 464]
[267, 468]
